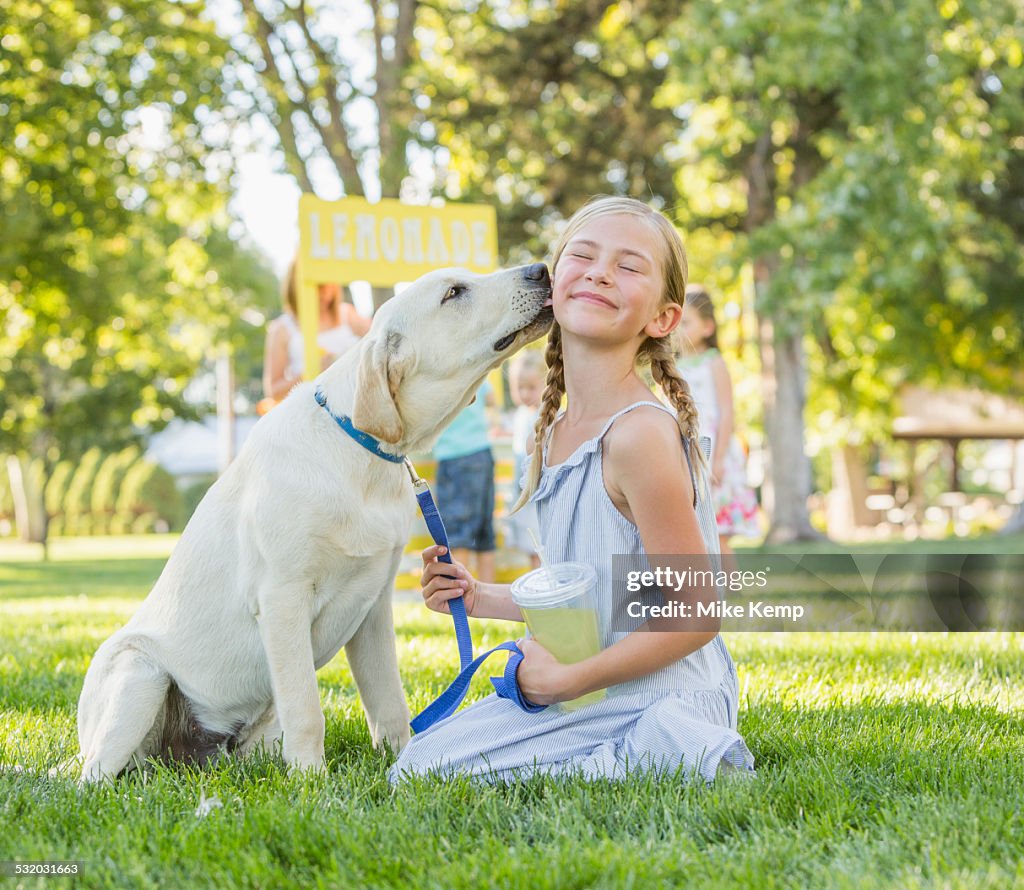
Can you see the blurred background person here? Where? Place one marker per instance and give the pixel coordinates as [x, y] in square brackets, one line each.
[526, 382]
[465, 485]
[704, 369]
[339, 325]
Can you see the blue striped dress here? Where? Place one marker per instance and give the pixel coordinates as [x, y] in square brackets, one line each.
[682, 716]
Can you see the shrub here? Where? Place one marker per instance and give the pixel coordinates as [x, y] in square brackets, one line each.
[56, 493]
[78, 501]
[145, 524]
[149, 488]
[195, 493]
[121, 523]
[106, 487]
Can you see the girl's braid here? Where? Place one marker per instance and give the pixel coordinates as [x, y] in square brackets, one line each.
[663, 369]
[549, 406]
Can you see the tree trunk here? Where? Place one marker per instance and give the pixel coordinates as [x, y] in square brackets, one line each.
[787, 482]
[225, 377]
[29, 509]
[788, 476]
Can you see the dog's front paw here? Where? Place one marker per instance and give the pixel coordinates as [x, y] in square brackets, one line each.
[307, 765]
[304, 759]
[304, 754]
[393, 735]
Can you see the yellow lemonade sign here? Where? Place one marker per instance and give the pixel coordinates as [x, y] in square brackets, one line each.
[389, 242]
[384, 243]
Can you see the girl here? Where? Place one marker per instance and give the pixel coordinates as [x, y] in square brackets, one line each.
[703, 368]
[526, 380]
[613, 473]
[340, 327]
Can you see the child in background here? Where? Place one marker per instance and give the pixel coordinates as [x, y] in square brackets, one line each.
[616, 472]
[526, 380]
[702, 366]
[465, 484]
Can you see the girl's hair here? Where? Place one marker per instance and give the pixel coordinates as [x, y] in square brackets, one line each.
[290, 294]
[656, 352]
[698, 297]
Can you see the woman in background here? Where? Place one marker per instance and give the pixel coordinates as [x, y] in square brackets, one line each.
[340, 326]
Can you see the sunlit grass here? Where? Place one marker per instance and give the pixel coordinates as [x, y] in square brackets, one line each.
[884, 760]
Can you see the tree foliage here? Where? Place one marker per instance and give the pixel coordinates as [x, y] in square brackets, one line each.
[858, 147]
[536, 107]
[305, 73]
[332, 84]
[852, 156]
[116, 272]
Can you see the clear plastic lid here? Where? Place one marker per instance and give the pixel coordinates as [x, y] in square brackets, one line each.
[553, 585]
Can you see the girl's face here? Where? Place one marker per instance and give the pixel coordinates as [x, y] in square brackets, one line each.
[694, 330]
[609, 283]
[329, 293]
[528, 389]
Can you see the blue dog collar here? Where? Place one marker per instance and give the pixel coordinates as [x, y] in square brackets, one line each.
[365, 439]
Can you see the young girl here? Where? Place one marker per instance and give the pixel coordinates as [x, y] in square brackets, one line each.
[613, 473]
[703, 368]
[526, 380]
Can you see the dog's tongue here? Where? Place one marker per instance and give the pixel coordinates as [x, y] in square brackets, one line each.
[548, 303]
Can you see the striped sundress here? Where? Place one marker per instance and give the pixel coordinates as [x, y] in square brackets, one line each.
[682, 716]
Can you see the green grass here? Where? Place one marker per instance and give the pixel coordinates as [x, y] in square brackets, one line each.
[883, 760]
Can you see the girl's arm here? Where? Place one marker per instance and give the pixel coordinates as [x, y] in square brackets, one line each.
[723, 394]
[482, 600]
[277, 382]
[645, 473]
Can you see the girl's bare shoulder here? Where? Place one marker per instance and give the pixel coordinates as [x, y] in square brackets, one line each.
[644, 430]
[643, 456]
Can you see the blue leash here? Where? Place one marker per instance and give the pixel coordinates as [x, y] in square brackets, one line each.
[448, 701]
[506, 685]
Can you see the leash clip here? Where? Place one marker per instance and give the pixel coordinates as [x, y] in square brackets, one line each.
[419, 485]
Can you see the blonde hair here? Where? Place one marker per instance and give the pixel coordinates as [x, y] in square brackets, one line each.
[657, 352]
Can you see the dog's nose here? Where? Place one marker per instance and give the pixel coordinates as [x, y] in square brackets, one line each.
[537, 272]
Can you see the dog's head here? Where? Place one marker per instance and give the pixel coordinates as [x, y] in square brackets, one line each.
[430, 347]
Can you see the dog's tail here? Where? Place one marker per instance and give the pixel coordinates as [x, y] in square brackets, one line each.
[184, 740]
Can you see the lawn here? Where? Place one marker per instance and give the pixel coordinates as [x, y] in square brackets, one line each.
[883, 760]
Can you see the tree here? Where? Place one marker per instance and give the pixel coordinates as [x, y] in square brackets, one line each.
[844, 135]
[536, 107]
[830, 147]
[340, 130]
[113, 184]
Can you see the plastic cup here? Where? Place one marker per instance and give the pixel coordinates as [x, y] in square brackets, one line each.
[559, 605]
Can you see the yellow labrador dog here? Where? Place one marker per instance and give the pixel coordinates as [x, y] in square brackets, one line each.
[293, 552]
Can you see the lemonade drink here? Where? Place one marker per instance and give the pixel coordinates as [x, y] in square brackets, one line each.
[560, 610]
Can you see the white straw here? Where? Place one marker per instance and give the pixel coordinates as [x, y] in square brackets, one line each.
[537, 546]
[540, 554]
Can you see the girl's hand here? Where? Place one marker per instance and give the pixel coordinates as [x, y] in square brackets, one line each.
[437, 589]
[543, 679]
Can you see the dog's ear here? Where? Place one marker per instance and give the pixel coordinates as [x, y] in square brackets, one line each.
[381, 369]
